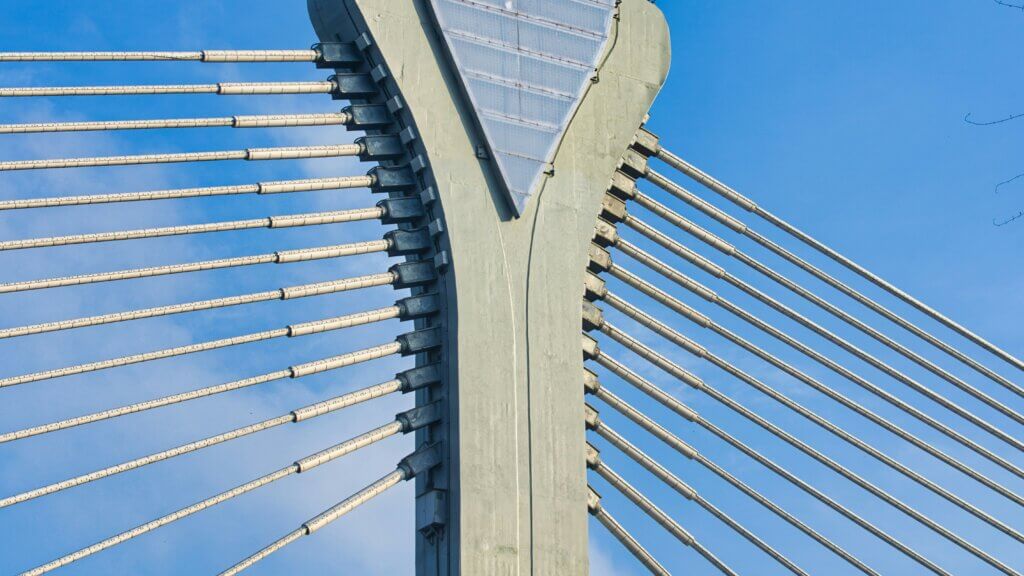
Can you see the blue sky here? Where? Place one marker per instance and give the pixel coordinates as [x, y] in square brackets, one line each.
[845, 118]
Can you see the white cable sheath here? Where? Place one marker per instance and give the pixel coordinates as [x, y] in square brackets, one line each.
[163, 56]
[255, 154]
[188, 511]
[224, 88]
[319, 288]
[289, 221]
[302, 465]
[304, 329]
[342, 361]
[305, 185]
[328, 516]
[258, 121]
[747, 204]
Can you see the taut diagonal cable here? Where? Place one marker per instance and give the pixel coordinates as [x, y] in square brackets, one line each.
[222, 88]
[737, 226]
[681, 341]
[631, 250]
[684, 411]
[748, 205]
[306, 290]
[308, 55]
[294, 416]
[676, 371]
[303, 185]
[691, 453]
[289, 221]
[280, 257]
[297, 467]
[297, 371]
[726, 248]
[705, 322]
[315, 327]
[627, 540]
[258, 121]
[688, 492]
[410, 467]
[280, 153]
[704, 292]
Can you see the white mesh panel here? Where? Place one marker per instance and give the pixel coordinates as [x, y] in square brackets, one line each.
[525, 65]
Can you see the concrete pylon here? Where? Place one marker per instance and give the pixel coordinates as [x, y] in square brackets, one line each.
[511, 497]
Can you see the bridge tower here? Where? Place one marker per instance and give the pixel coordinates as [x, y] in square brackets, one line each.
[513, 490]
[524, 298]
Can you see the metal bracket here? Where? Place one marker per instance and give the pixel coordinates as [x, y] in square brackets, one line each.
[593, 317]
[419, 377]
[420, 341]
[431, 513]
[594, 287]
[605, 234]
[600, 259]
[634, 164]
[408, 242]
[419, 417]
[386, 179]
[338, 55]
[613, 208]
[399, 210]
[420, 306]
[353, 86]
[368, 116]
[646, 143]
[623, 186]
[380, 148]
[423, 459]
[410, 274]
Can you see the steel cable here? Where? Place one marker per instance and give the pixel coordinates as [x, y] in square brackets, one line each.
[289, 221]
[699, 289]
[678, 306]
[257, 121]
[681, 341]
[297, 371]
[718, 272]
[311, 411]
[748, 205]
[315, 327]
[691, 453]
[164, 56]
[330, 454]
[325, 518]
[253, 154]
[729, 250]
[222, 88]
[624, 537]
[304, 185]
[676, 406]
[674, 369]
[741, 228]
[305, 290]
[649, 508]
[688, 492]
[280, 257]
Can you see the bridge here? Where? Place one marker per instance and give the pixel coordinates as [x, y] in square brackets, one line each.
[498, 322]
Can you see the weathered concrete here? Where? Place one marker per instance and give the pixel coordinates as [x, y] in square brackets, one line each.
[517, 476]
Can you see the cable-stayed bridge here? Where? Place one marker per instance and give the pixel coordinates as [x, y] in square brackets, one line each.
[524, 264]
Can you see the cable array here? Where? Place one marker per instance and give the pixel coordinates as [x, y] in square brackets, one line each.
[743, 202]
[410, 466]
[406, 239]
[304, 185]
[620, 231]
